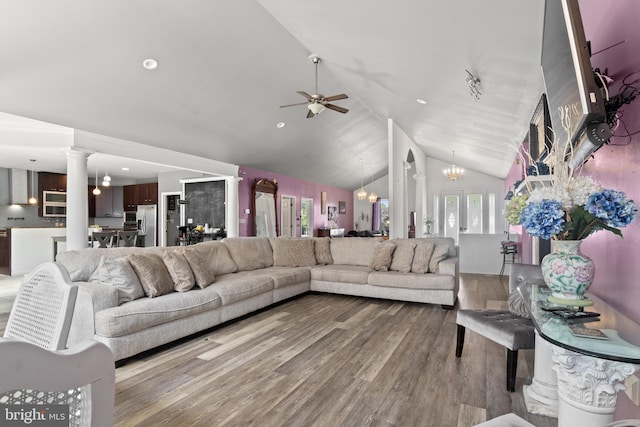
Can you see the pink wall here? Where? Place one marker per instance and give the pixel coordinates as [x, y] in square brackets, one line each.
[617, 165]
[297, 188]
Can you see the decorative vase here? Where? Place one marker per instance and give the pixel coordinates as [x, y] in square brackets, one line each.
[568, 273]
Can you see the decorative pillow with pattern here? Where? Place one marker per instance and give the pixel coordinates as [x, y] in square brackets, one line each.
[440, 252]
[202, 271]
[421, 257]
[153, 274]
[402, 256]
[118, 273]
[179, 269]
[382, 256]
[323, 251]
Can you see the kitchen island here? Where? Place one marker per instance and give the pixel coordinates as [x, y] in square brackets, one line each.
[24, 248]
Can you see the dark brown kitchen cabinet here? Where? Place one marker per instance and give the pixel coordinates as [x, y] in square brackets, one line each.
[148, 194]
[92, 203]
[48, 181]
[130, 197]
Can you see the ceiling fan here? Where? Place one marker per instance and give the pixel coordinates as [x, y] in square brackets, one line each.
[317, 102]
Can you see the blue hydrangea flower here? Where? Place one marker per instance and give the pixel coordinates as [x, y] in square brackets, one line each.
[612, 207]
[543, 219]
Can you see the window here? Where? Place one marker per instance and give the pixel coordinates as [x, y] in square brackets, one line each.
[452, 216]
[474, 213]
[306, 217]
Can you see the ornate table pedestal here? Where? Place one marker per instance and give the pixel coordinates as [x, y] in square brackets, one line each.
[541, 397]
[587, 387]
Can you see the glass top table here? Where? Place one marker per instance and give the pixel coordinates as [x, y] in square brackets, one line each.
[622, 341]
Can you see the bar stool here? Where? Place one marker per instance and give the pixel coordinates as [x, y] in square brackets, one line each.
[103, 238]
[127, 238]
[508, 250]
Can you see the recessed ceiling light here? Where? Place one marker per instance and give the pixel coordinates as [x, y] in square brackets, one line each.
[125, 169]
[421, 101]
[281, 125]
[150, 64]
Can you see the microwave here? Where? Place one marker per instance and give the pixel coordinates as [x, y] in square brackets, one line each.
[54, 203]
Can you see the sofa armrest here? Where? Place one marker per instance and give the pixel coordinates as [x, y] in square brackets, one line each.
[449, 266]
[92, 298]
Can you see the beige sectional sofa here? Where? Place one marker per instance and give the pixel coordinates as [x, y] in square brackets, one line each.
[135, 299]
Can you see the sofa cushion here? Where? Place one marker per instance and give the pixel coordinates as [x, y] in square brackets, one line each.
[233, 288]
[440, 252]
[144, 313]
[402, 255]
[118, 273]
[353, 250]
[421, 256]
[382, 255]
[250, 253]
[153, 274]
[216, 255]
[396, 279]
[202, 271]
[297, 252]
[179, 269]
[283, 276]
[323, 250]
[341, 273]
[81, 263]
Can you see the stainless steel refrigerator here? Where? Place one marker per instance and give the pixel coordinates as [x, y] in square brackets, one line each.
[147, 219]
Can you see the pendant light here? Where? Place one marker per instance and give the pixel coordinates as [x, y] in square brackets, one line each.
[362, 193]
[106, 181]
[373, 197]
[453, 173]
[96, 191]
[33, 199]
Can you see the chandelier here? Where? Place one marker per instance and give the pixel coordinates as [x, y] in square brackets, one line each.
[373, 197]
[362, 193]
[453, 173]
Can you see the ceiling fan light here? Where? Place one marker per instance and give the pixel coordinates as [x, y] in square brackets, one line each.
[316, 108]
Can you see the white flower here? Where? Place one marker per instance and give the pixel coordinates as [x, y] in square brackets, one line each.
[580, 188]
[551, 193]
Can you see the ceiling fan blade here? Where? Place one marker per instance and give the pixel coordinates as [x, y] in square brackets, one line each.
[292, 105]
[336, 108]
[305, 94]
[336, 97]
[310, 114]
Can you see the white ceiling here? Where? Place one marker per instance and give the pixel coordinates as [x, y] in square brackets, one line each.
[227, 66]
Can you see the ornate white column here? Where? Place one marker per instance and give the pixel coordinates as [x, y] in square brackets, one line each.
[587, 387]
[541, 397]
[232, 206]
[77, 199]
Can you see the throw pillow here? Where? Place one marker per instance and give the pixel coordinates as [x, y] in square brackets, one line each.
[118, 273]
[440, 252]
[517, 305]
[323, 251]
[402, 256]
[382, 256]
[217, 256]
[154, 276]
[293, 252]
[179, 270]
[202, 272]
[421, 257]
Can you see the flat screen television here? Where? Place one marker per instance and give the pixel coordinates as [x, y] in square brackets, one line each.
[569, 78]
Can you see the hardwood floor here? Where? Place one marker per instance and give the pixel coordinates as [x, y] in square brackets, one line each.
[329, 360]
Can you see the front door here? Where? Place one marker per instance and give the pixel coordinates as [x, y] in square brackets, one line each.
[287, 228]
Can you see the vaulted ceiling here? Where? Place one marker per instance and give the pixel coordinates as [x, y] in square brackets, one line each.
[225, 67]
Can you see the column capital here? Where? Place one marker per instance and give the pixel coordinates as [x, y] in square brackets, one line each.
[588, 380]
[77, 152]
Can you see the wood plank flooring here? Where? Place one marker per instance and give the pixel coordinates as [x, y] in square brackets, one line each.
[329, 360]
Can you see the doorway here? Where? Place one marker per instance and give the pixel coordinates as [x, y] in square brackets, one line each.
[306, 217]
[169, 217]
[287, 216]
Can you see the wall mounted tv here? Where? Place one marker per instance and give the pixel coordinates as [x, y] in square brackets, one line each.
[569, 79]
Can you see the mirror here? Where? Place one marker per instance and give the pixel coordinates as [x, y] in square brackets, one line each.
[264, 208]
